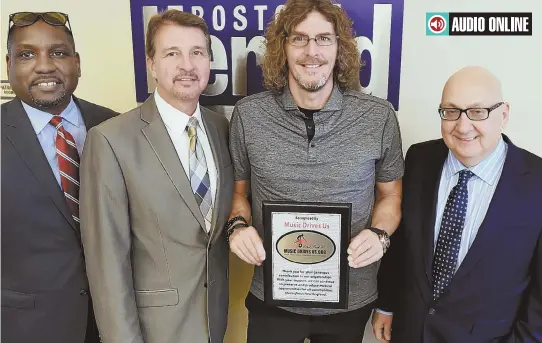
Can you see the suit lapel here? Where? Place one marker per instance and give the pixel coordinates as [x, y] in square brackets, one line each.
[430, 201]
[91, 119]
[504, 195]
[214, 142]
[21, 134]
[156, 133]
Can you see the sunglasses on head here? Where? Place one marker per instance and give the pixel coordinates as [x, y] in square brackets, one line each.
[22, 19]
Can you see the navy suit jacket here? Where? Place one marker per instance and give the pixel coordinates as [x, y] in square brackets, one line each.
[496, 294]
[45, 295]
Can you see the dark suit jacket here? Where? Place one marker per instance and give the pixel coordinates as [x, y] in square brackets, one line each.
[44, 287]
[496, 294]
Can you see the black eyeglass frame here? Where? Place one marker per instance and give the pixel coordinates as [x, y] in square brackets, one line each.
[442, 110]
[333, 42]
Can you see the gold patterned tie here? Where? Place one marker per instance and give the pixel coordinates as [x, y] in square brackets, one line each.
[199, 174]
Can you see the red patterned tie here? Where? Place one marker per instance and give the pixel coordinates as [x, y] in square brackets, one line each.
[68, 164]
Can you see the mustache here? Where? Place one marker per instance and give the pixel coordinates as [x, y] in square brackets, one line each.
[185, 75]
[311, 60]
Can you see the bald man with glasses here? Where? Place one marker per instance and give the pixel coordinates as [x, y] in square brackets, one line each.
[465, 265]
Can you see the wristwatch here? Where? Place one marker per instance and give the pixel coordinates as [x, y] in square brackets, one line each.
[383, 237]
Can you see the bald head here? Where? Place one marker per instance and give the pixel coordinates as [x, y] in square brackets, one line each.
[470, 87]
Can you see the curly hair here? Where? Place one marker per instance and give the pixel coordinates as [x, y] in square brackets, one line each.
[274, 60]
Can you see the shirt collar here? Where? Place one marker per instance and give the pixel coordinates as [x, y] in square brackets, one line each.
[40, 119]
[174, 120]
[334, 102]
[487, 170]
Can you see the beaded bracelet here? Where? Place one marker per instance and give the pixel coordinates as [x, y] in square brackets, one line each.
[232, 229]
[230, 222]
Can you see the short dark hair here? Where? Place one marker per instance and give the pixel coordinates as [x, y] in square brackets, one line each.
[14, 28]
[174, 17]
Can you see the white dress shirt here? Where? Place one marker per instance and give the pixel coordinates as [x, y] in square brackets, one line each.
[175, 122]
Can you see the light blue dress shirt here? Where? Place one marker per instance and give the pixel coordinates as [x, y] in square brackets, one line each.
[72, 120]
[481, 189]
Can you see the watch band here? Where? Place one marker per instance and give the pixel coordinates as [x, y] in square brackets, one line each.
[378, 231]
[383, 237]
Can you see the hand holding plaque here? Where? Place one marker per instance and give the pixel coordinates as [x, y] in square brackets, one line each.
[307, 246]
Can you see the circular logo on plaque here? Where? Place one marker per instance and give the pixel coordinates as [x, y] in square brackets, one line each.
[305, 247]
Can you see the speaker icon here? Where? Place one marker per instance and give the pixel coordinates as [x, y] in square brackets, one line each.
[437, 24]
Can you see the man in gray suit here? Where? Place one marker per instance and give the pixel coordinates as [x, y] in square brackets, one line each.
[157, 184]
[45, 294]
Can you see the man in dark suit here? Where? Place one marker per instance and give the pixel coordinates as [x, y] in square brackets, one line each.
[465, 266]
[45, 295]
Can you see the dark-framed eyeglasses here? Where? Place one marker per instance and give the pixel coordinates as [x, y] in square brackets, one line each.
[22, 19]
[475, 114]
[321, 40]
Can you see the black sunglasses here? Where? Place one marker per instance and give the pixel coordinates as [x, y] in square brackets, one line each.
[22, 19]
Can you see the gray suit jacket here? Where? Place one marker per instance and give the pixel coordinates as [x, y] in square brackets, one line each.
[155, 274]
[45, 294]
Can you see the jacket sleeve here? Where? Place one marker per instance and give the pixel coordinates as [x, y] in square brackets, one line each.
[391, 275]
[528, 327]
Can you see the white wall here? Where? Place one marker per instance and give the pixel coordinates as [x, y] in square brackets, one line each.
[429, 60]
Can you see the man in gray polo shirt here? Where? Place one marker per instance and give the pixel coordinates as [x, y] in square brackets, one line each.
[314, 137]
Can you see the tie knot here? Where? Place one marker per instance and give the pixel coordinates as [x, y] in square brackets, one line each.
[464, 176]
[56, 121]
[191, 126]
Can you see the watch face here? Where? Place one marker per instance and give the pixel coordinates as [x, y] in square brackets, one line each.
[382, 236]
[385, 240]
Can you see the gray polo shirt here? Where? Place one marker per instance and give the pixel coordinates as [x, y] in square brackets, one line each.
[357, 142]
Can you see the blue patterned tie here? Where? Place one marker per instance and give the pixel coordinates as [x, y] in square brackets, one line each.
[449, 238]
[199, 175]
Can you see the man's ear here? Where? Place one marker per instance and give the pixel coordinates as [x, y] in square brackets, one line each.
[150, 66]
[78, 61]
[505, 114]
[8, 63]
